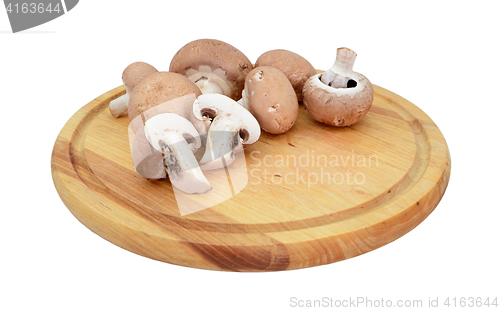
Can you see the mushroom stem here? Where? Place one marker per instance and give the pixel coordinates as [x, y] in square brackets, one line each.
[119, 106]
[209, 82]
[181, 166]
[221, 162]
[223, 140]
[208, 87]
[176, 138]
[341, 71]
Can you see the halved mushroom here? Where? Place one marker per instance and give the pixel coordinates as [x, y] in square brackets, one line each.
[134, 73]
[271, 99]
[295, 67]
[232, 125]
[177, 139]
[339, 96]
[215, 66]
[162, 92]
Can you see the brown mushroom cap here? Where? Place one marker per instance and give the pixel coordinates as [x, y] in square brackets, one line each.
[271, 99]
[296, 68]
[343, 108]
[135, 72]
[159, 88]
[233, 65]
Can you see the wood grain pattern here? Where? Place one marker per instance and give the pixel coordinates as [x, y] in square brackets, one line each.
[282, 219]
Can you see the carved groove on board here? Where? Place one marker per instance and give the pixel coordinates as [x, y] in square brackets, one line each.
[412, 177]
[235, 246]
[273, 257]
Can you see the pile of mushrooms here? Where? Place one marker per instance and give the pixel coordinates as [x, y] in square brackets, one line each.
[212, 102]
[169, 114]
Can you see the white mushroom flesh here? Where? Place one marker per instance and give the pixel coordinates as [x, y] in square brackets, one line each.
[177, 139]
[209, 81]
[351, 92]
[232, 126]
[208, 87]
[341, 72]
[118, 107]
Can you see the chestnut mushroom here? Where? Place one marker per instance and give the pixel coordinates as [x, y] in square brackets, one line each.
[270, 97]
[295, 67]
[134, 73]
[215, 66]
[339, 96]
[157, 89]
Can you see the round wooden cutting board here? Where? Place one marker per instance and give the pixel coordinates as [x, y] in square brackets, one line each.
[314, 195]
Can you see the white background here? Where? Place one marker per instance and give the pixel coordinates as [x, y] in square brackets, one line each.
[442, 56]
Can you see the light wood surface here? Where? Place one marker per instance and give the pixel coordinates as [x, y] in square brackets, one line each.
[290, 214]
